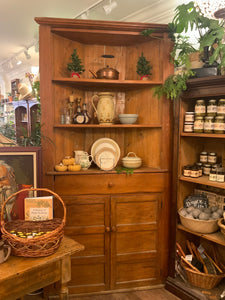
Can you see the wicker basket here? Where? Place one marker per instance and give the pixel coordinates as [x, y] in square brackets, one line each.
[200, 226]
[201, 280]
[43, 245]
[221, 226]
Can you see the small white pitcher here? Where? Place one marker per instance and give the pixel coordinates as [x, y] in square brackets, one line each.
[85, 161]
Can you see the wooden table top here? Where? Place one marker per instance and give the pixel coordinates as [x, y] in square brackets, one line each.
[16, 265]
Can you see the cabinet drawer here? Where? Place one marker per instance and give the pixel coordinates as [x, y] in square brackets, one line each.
[109, 183]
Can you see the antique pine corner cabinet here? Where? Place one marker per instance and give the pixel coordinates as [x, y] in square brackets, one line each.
[122, 220]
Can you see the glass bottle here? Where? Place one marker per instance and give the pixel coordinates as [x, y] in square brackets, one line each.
[200, 108]
[208, 124]
[221, 108]
[79, 117]
[85, 113]
[219, 124]
[212, 108]
[198, 124]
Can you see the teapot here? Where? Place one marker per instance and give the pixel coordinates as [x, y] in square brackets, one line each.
[5, 251]
[85, 161]
[105, 109]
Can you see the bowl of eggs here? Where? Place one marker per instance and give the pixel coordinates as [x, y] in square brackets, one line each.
[201, 220]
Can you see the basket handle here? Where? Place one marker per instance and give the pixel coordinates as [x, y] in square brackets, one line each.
[30, 190]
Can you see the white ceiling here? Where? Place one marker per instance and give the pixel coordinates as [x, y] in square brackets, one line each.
[19, 31]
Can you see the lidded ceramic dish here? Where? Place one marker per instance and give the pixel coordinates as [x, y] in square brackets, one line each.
[132, 162]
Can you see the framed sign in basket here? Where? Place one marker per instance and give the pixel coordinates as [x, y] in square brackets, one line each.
[20, 167]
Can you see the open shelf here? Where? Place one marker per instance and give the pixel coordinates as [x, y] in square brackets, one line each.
[204, 135]
[107, 83]
[216, 237]
[203, 180]
[95, 171]
[107, 126]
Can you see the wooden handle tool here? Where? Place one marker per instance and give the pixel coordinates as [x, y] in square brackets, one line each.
[198, 255]
[218, 268]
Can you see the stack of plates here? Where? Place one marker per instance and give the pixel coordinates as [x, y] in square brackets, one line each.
[105, 153]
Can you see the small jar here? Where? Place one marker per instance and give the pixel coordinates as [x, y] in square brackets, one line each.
[187, 171]
[220, 175]
[219, 124]
[200, 167]
[200, 108]
[212, 108]
[203, 157]
[221, 108]
[194, 172]
[198, 124]
[209, 124]
[215, 167]
[189, 116]
[188, 127]
[212, 158]
[206, 169]
[212, 175]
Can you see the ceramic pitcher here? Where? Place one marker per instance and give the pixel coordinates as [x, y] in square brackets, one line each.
[105, 108]
[5, 251]
[85, 161]
[78, 154]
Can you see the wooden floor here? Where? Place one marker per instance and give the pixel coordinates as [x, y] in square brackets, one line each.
[153, 294]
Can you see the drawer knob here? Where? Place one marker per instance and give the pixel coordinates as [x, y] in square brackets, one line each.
[107, 229]
[110, 184]
[113, 229]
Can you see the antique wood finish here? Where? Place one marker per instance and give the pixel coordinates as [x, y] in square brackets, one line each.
[120, 219]
[19, 275]
[189, 146]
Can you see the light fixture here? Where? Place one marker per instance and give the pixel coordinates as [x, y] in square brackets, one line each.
[109, 7]
[27, 55]
[212, 8]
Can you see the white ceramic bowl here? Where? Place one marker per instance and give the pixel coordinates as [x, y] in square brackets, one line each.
[128, 118]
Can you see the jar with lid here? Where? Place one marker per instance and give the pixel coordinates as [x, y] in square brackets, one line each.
[206, 169]
[212, 108]
[194, 172]
[200, 108]
[203, 157]
[221, 108]
[209, 124]
[189, 116]
[200, 167]
[212, 158]
[198, 124]
[220, 175]
[219, 124]
[187, 171]
[212, 175]
[188, 127]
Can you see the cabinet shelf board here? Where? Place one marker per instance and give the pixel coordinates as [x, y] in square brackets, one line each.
[95, 171]
[203, 180]
[204, 135]
[106, 83]
[216, 237]
[74, 126]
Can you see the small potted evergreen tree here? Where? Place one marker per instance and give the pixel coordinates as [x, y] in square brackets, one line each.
[75, 66]
[143, 67]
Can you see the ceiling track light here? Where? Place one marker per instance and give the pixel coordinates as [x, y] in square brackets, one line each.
[109, 7]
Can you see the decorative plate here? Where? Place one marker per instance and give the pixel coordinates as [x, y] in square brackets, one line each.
[105, 159]
[105, 143]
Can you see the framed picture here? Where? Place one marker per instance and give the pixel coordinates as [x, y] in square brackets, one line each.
[20, 167]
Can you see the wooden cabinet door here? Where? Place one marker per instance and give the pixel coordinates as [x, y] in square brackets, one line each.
[134, 240]
[88, 223]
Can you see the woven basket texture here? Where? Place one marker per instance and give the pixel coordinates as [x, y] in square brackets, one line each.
[221, 226]
[43, 245]
[201, 280]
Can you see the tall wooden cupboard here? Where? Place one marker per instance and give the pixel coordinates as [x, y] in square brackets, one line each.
[122, 220]
[187, 148]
